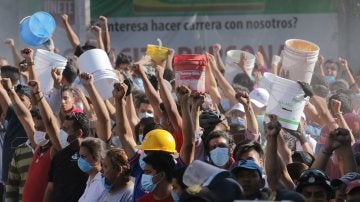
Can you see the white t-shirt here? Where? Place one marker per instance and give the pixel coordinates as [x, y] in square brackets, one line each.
[94, 189]
[312, 142]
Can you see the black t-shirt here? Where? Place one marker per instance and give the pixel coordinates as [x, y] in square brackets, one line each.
[69, 181]
[14, 136]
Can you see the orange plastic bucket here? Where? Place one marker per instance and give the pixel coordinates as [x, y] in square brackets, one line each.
[190, 71]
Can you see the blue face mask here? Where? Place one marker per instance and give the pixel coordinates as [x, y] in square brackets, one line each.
[84, 165]
[175, 196]
[238, 121]
[330, 79]
[147, 184]
[225, 104]
[106, 185]
[219, 156]
[141, 161]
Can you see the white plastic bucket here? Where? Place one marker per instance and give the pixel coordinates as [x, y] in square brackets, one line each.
[299, 57]
[286, 100]
[37, 29]
[233, 69]
[97, 63]
[190, 71]
[45, 61]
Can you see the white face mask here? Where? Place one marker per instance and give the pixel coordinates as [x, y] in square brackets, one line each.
[63, 138]
[219, 156]
[40, 139]
[145, 115]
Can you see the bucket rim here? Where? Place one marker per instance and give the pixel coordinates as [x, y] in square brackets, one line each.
[302, 40]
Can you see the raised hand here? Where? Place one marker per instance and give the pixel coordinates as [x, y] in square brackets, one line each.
[34, 87]
[335, 106]
[86, 78]
[9, 42]
[243, 98]
[6, 83]
[216, 48]
[343, 64]
[272, 129]
[183, 94]
[103, 21]
[96, 29]
[338, 138]
[57, 76]
[159, 71]
[27, 53]
[259, 59]
[65, 17]
[119, 90]
[197, 100]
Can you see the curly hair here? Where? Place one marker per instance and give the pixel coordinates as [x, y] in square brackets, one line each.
[80, 121]
[119, 159]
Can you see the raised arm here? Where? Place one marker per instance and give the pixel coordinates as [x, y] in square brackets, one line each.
[187, 150]
[210, 82]
[251, 122]
[47, 115]
[216, 51]
[122, 128]
[349, 77]
[72, 36]
[275, 168]
[15, 54]
[105, 33]
[335, 106]
[98, 33]
[169, 59]
[150, 92]
[168, 101]
[22, 111]
[4, 99]
[225, 86]
[103, 129]
[28, 55]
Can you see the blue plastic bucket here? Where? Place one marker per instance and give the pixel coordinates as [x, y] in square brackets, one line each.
[36, 29]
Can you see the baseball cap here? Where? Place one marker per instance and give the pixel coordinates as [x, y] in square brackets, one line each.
[303, 157]
[314, 177]
[352, 185]
[345, 179]
[246, 164]
[237, 106]
[259, 97]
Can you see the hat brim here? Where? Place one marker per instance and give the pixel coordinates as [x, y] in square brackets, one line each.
[257, 103]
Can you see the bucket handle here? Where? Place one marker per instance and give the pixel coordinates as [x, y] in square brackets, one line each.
[201, 62]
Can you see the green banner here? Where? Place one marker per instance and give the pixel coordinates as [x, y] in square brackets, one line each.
[134, 8]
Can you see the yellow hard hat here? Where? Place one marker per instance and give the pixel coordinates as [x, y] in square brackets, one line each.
[158, 140]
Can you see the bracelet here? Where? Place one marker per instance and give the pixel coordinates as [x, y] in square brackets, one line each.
[30, 63]
[37, 93]
[9, 91]
[337, 113]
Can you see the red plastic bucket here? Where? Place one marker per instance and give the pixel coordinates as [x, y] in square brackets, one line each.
[190, 71]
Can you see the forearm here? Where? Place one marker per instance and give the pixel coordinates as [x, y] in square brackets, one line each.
[4, 99]
[106, 37]
[16, 56]
[104, 129]
[211, 86]
[71, 35]
[188, 147]
[195, 114]
[169, 60]
[219, 62]
[347, 158]
[50, 122]
[170, 105]
[271, 163]
[251, 122]
[123, 129]
[152, 95]
[131, 112]
[322, 159]
[100, 42]
[350, 79]
[342, 124]
[284, 151]
[227, 89]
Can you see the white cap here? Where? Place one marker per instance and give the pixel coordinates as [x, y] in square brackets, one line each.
[259, 97]
[237, 106]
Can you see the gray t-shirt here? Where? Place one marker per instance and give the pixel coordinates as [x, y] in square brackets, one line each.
[124, 195]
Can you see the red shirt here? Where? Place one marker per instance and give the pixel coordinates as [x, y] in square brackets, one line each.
[149, 198]
[37, 178]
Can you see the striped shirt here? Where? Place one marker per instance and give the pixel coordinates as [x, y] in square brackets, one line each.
[18, 170]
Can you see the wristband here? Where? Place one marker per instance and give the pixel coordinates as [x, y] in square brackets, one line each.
[30, 63]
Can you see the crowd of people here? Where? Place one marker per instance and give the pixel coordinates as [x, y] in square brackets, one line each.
[157, 141]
